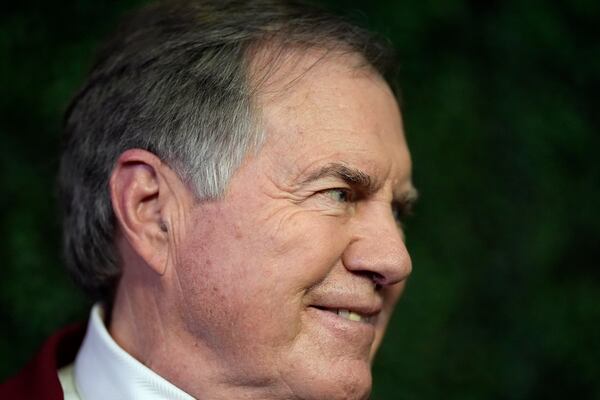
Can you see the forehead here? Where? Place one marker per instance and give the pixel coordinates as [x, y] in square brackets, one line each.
[321, 109]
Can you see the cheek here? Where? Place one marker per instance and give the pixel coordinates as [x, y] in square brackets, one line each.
[233, 312]
[305, 246]
[243, 277]
[236, 286]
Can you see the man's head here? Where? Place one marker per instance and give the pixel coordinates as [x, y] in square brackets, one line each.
[233, 172]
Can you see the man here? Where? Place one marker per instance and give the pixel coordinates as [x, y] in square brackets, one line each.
[233, 177]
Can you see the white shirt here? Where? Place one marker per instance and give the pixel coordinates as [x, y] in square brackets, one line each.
[104, 371]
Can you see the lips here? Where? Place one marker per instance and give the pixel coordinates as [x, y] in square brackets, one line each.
[366, 315]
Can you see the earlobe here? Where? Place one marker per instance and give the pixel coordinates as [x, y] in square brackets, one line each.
[139, 195]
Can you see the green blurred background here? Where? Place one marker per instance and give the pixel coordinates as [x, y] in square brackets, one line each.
[499, 101]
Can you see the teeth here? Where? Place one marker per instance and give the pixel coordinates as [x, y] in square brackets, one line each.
[352, 316]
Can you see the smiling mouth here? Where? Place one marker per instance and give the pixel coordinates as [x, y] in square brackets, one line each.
[350, 315]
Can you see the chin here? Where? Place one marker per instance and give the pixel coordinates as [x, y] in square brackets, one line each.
[352, 381]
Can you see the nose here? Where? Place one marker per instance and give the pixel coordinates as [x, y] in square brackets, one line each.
[378, 249]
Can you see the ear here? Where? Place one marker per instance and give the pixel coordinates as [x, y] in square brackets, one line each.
[139, 193]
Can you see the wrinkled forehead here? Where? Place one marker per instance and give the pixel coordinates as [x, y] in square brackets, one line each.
[318, 107]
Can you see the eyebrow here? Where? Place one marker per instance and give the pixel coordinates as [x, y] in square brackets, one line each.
[405, 199]
[351, 176]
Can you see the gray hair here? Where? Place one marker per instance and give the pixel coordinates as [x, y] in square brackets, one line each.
[174, 80]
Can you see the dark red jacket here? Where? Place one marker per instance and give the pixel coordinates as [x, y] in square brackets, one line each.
[39, 378]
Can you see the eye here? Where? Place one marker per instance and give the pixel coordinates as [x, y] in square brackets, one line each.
[339, 195]
[401, 211]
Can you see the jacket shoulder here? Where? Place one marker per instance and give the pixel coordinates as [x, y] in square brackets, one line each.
[39, 378]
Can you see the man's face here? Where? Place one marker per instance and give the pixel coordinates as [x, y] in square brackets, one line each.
[289, 280]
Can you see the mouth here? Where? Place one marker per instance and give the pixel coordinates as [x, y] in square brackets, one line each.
[355, 325]
[351, 315]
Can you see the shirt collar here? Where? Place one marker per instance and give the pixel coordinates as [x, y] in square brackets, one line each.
[103, 370]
